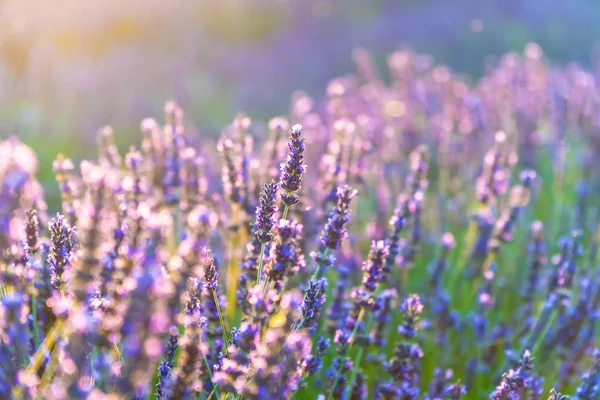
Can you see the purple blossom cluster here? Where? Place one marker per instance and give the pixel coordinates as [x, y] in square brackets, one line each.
[410, 261]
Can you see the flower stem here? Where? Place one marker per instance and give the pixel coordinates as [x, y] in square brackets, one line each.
[547, 316]
[361, 349]
[285, 212]
[223, 331]
[233, 268]
[41, 353]
[36, 337]
[213, 392]
[361, 315]
[215, 386]
[355, 367]
[260, 264]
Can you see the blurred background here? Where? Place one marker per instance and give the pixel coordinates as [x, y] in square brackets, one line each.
[69, 67]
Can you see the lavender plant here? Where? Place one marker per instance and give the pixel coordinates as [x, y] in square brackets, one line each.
[172, 274]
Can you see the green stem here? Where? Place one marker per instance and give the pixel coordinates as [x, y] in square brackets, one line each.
[541, 327]
[545, 331]
[212, 393]
[361, 350]
[223, 331]
[215, 386]
[355, 367]
[260, 264]
[93, 359]
[285, 212]
[361, 315]
[36, 337]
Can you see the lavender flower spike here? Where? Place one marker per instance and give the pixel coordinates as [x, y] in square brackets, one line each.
[374, 266]
[314, 298]
[63, 242]
[335, 229]
[293, 168]
[265, 213]
[412, 308]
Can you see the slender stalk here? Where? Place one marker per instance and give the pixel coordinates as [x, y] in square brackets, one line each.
[260, 264]
[541, 337]
[45, 347]
[487, 263]
[49, 371]
[235, 239]
[355, 367]
[213, 392]
[223, 331]
[285, 212]
[36, 337]
[92, 360]
[40, 354]
[361, 350]
[541, 327]
[361, 315]
[215, 386]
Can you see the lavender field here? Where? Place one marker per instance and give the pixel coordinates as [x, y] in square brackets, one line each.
[407, 232]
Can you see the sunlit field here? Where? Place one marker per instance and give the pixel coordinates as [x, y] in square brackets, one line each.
[405, 231]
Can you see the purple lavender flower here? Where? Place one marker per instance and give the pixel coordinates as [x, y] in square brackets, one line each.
[314, 298]
[63, 239]
[440, 265]
[231, 176]
[554, 395]
[412, 309]
[186, 376]
[313, 363]
[232, 375]
[293, 168]
[109, 153]
[517, 383]
[341, 365]
[165, 367]
[589, 387]
[383, 316]
[455, 391]
[359, 390]
[405, 365]
[164, 371]
[32, 231]
[494, 178]
[437, 386]
[373, 268]
[335, 229]
[265, 213]
[397, 222]
[285, 255]
[211, 276]
[275, 365]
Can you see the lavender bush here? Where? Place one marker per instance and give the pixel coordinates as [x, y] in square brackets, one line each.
[421, 238]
